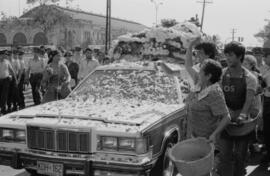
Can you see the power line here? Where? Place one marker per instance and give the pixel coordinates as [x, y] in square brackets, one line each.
[204, 2]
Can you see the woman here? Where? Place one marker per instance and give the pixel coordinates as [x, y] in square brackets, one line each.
[207, 110]
[56, 78]
[208, 114]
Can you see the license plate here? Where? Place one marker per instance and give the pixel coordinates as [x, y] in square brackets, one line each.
[52, 169]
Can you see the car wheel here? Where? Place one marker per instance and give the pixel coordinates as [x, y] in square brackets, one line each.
[169, 168]
[164, 166]
[32, 172]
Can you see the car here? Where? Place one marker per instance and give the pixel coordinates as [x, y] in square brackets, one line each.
[122, 119]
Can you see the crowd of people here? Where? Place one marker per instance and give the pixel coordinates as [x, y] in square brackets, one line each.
[227, 95]
[51, 73]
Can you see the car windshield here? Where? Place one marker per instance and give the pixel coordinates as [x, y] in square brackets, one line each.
[130, 84]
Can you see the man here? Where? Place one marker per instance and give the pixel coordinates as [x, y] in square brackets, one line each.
[204, 50]
[34, 74]
[13, 88]
[87, 65]
[258, 53]
[265, 71]
[6, 73]
[77, 57]
[239, 87]
[21, 79]
[73, 68]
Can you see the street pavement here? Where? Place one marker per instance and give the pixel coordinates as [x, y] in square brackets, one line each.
[254, 168]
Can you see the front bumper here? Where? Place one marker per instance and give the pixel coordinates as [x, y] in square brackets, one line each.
[85, 167]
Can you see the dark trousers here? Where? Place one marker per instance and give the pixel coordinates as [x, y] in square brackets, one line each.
[266, 124]
[4, 89]
[13, 95]
[233, 154]
[35, 81]
[20, 93]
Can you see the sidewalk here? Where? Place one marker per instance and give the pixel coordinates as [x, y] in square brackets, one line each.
[255, 168]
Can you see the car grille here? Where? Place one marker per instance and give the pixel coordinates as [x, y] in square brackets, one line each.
[58, 140]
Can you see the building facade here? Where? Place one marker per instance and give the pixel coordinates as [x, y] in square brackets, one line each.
[89, 31]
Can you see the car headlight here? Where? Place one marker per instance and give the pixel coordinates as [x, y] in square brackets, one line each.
[137, 145]
[20, 136]
[127, 143]
[109, 142]
[12, 135]
[7, 134]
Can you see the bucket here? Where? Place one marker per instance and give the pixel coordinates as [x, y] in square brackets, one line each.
[247, 127]
[193, 157]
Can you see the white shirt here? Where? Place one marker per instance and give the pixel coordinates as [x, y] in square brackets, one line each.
[4, 69]
[15, 65]
[86, 67]
[36, 66]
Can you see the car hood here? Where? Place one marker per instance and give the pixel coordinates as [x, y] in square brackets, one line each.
[106, 111]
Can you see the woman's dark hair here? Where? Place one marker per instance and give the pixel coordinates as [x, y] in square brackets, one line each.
[214, 68]
[237, 48]
[52, 54]
[209, 49]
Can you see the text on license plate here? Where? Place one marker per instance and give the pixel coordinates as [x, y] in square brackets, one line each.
[52, 169]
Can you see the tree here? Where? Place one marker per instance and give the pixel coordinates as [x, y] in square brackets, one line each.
[195, 20]
[42, 2]
[264, 35]
[46, 17]
[168, 23]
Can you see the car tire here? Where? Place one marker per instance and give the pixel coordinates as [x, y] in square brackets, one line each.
[32, 172]
[164, 166]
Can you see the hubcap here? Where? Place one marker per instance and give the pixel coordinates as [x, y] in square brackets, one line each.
[169, 169]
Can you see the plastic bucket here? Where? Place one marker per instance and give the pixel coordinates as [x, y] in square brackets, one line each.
[193, 157]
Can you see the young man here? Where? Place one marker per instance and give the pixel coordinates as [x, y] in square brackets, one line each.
[34, 74]
[265, 71]
[13, 90]
[21, 79]
[204, 50]
[258, 53]
[87, 65]
[73, 68]
[77, 57]
[6, 73]
[239, 87]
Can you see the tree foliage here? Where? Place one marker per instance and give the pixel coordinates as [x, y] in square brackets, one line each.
[41, 1]
[168, 22]
[264, 36]
[47, 16]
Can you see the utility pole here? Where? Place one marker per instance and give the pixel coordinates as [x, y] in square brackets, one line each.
[157, 4]
[204, 2]
[19, 7]
[233, 32]
[108, 27]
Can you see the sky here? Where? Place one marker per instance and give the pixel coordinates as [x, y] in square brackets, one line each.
[247, 17]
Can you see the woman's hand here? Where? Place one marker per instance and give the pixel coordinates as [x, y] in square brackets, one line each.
[212, 138]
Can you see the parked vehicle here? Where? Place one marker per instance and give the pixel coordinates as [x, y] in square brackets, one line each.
[120, 120]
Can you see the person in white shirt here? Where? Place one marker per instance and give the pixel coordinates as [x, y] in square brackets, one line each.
[87, 65]
[34, 75]
[6, 73]
[77, 56]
